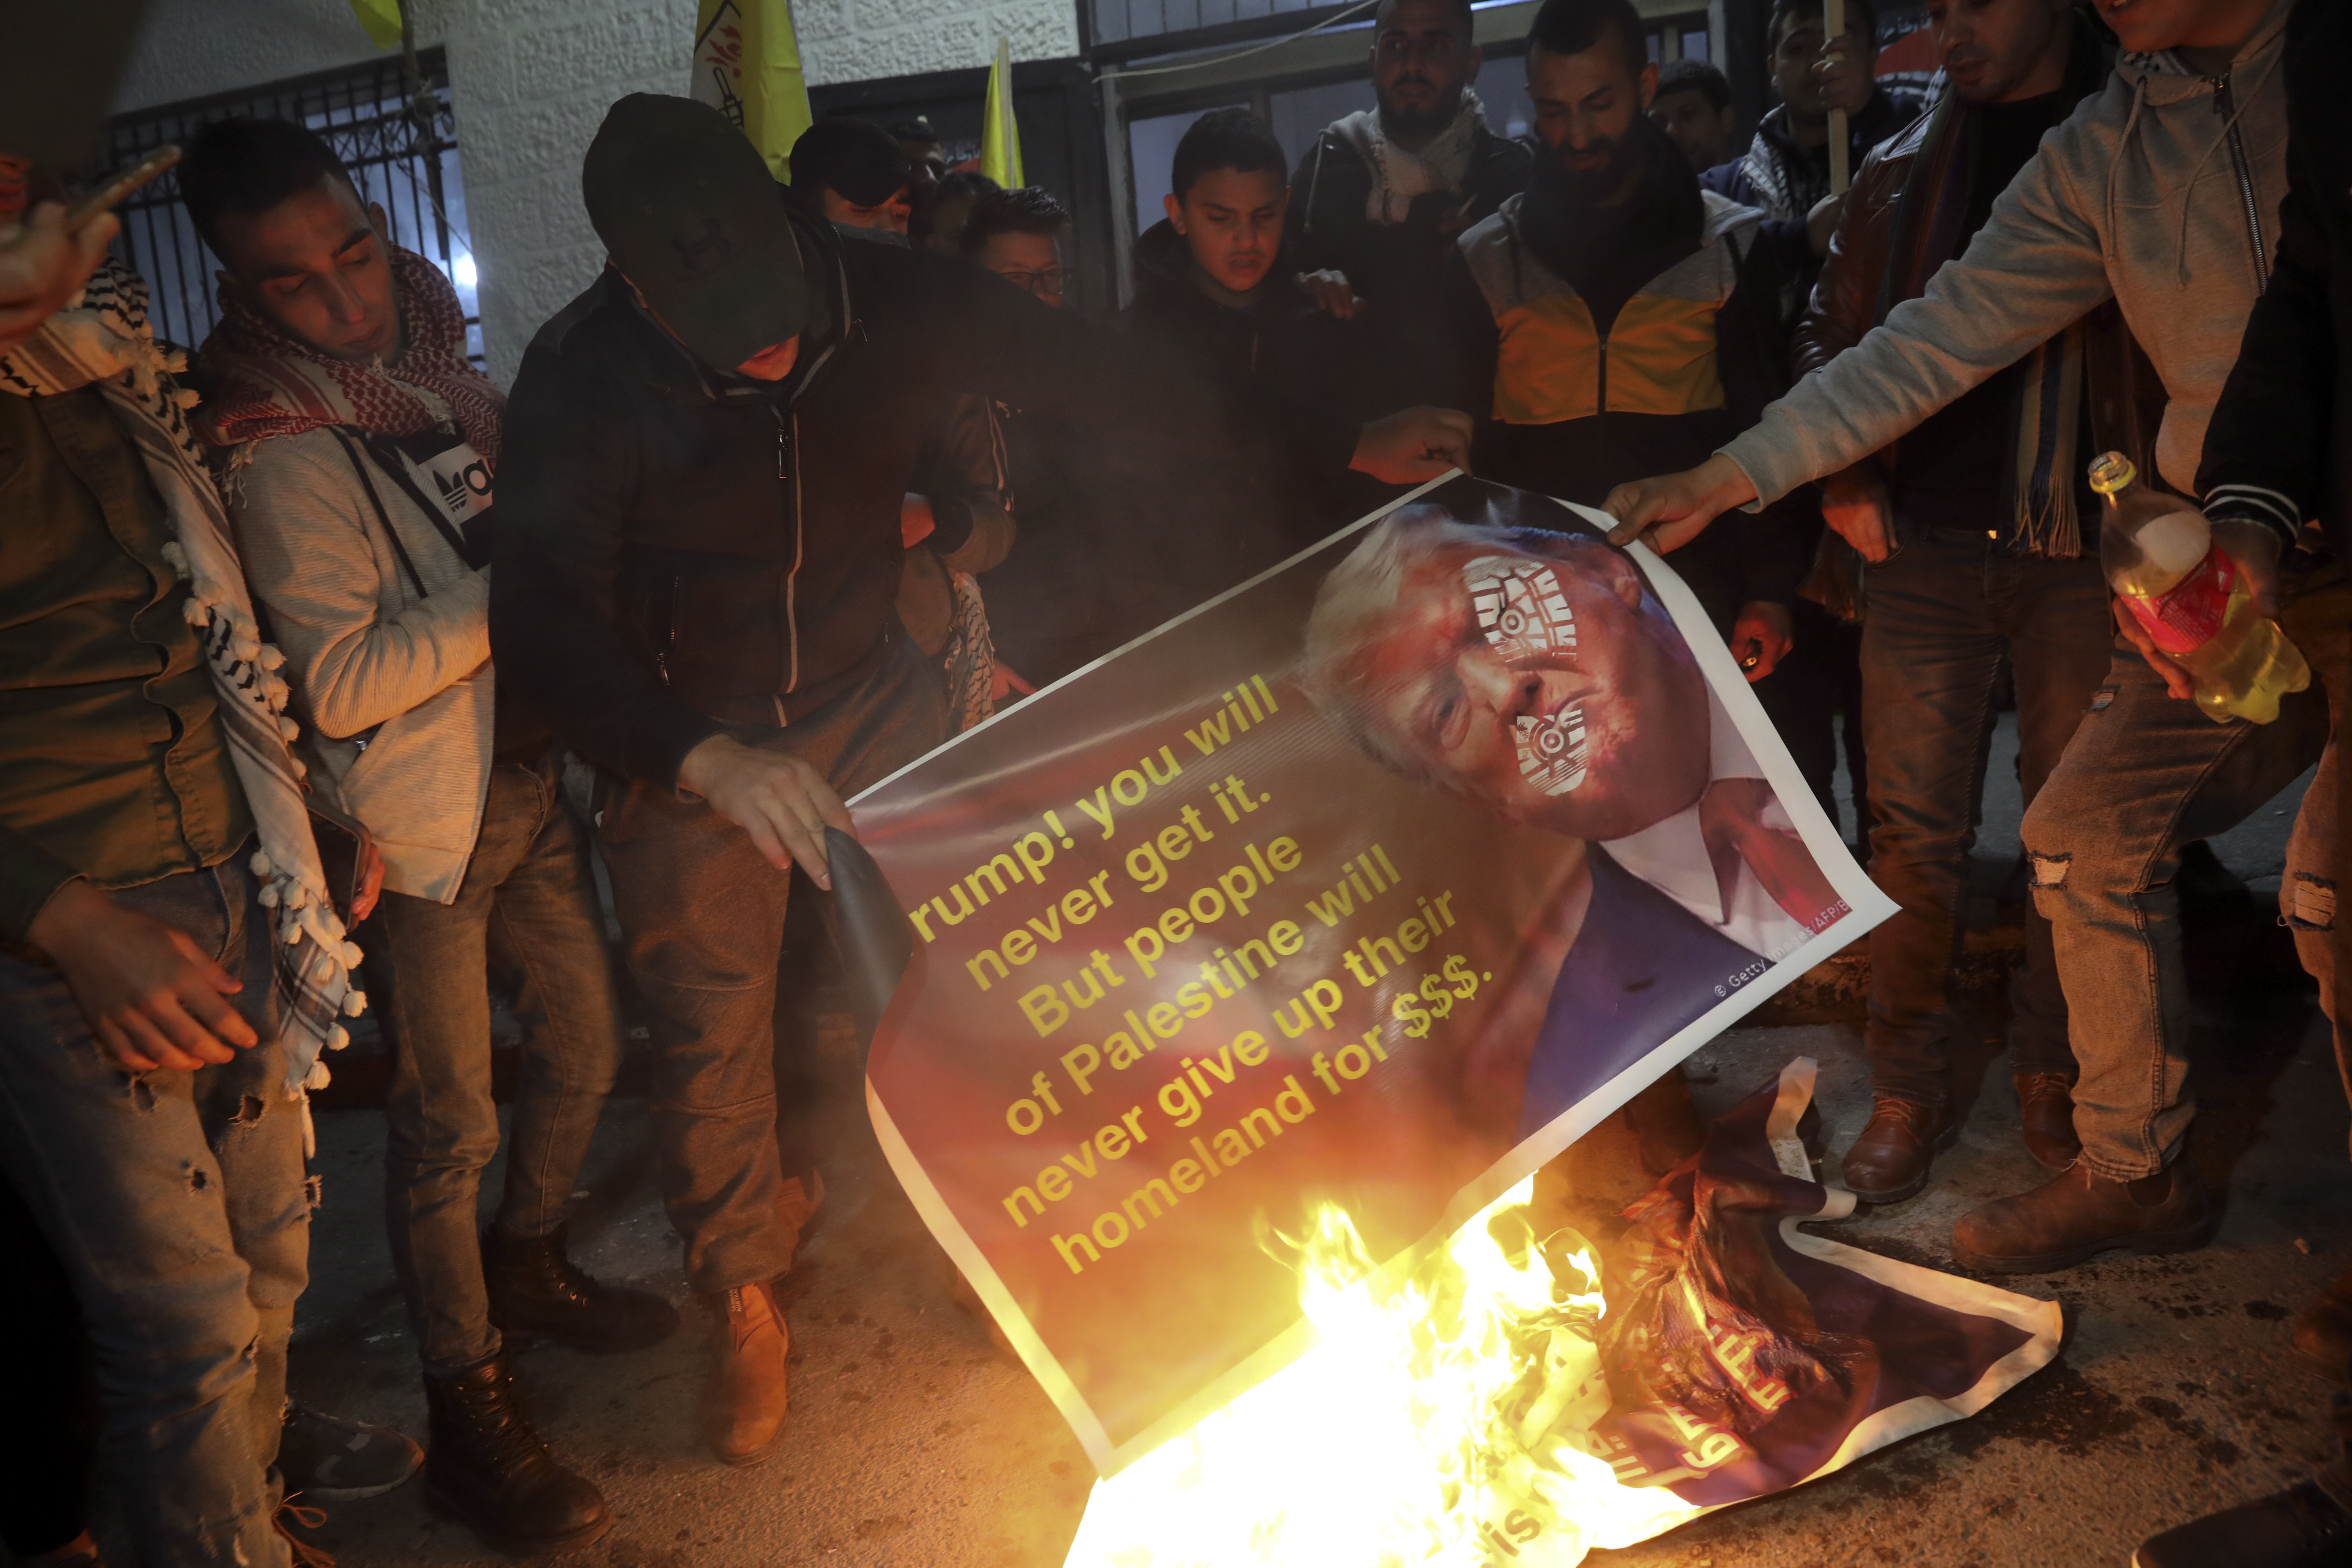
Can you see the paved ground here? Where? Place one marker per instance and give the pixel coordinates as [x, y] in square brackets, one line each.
[913, 1442]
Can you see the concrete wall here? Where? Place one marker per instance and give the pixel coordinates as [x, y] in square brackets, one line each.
[530, 80]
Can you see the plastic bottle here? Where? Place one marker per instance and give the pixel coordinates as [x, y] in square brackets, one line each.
[2159, 557]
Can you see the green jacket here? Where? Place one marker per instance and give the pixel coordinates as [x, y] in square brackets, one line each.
[114, 765]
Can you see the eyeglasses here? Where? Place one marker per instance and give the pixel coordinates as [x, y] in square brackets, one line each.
[1052, 281]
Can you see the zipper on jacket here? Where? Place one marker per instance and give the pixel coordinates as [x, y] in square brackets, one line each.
[669, 631]
[786, 428]
[1600, 382]
[2224, 107]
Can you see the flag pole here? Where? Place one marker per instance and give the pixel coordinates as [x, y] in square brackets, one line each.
[1841, 152]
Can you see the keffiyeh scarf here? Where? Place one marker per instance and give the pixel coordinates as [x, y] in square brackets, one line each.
[272, 385]
[1398, 175]
[105, 340]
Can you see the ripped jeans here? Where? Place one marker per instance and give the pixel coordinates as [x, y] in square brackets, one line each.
[2144, 776]
[177, 1204]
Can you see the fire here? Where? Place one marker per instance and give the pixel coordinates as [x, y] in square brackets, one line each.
[1446, 1420]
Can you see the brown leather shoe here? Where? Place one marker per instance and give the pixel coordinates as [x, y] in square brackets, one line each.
[2077, 1213]
[1664, 1123]
[743, 1396]
[2045, 1103]
[1889, 1162]
[2323, 1330]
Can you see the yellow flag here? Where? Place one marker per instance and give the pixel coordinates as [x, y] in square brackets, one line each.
[381, 19]
[747, 64]
[1000, 137]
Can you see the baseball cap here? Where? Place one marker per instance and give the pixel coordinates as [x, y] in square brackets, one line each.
[686, 206]
[856, 158]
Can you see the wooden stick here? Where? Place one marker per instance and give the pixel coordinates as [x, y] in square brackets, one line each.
[1841, 153]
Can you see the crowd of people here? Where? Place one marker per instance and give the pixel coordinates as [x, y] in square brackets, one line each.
[814, 475]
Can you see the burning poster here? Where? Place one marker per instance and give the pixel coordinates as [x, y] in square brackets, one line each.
[1370, 886]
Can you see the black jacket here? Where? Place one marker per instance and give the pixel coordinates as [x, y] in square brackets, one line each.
[679, 552]
[1395, 269]
[1202, 519]
[2279, 449]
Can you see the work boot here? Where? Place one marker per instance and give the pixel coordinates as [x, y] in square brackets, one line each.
[1665, 1125]
[486, 1466]
[2323, 1330]
[325, 1458]
[1889, 1161]
[2301, 1527]
[2045, 1104]
[743, 1395]
[2077, 1213]
[536, 1289]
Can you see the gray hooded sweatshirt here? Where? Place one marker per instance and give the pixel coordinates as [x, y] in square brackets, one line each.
[2160, 191]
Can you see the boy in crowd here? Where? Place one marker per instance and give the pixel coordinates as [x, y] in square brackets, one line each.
[366, 448]
[1693, 106]
[1217, 309]
[1785, 173]
[1383, 193]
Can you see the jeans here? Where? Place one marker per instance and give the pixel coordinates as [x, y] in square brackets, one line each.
[1942, 612]
[2144, 776]
[177, 1203]
[702, 922]
[529, 900]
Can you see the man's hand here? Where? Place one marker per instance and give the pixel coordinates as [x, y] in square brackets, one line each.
[1330, 293]
[1854, 502]
[914, 520]
[1413, 445]
[370, 880]
[1846, 81]
[1672, 509]
[1007, 682]
[1822, 221]
[2177, 680]
[1761, 637]
[2256, 551]
[43, 266]
[148, 992]
[781, 802]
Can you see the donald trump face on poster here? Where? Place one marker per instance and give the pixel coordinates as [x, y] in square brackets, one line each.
[1515, 659]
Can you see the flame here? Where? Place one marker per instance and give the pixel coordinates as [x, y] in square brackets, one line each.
[1446, 1420]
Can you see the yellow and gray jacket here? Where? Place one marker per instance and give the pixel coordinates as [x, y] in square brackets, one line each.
[1575, 408]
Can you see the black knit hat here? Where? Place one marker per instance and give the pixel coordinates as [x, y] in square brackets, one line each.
[856, 158]
[686, 208]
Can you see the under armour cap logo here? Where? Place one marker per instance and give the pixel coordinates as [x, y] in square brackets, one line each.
[713, 245]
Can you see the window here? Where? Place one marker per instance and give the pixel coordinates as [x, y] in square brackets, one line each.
[404, 161]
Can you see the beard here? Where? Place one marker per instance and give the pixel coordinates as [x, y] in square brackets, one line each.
[1598, 184]
[1417, 125]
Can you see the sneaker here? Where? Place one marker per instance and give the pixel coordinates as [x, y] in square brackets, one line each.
[325, 1458]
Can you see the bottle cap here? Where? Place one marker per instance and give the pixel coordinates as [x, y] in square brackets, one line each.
[2111, 471]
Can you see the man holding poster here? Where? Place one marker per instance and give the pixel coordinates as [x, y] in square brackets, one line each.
[698, 551]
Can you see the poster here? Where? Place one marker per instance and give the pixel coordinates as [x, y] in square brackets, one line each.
[1376, 882]
[1734, 1355]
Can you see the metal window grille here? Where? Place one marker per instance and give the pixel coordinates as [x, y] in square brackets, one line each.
[405, 159]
